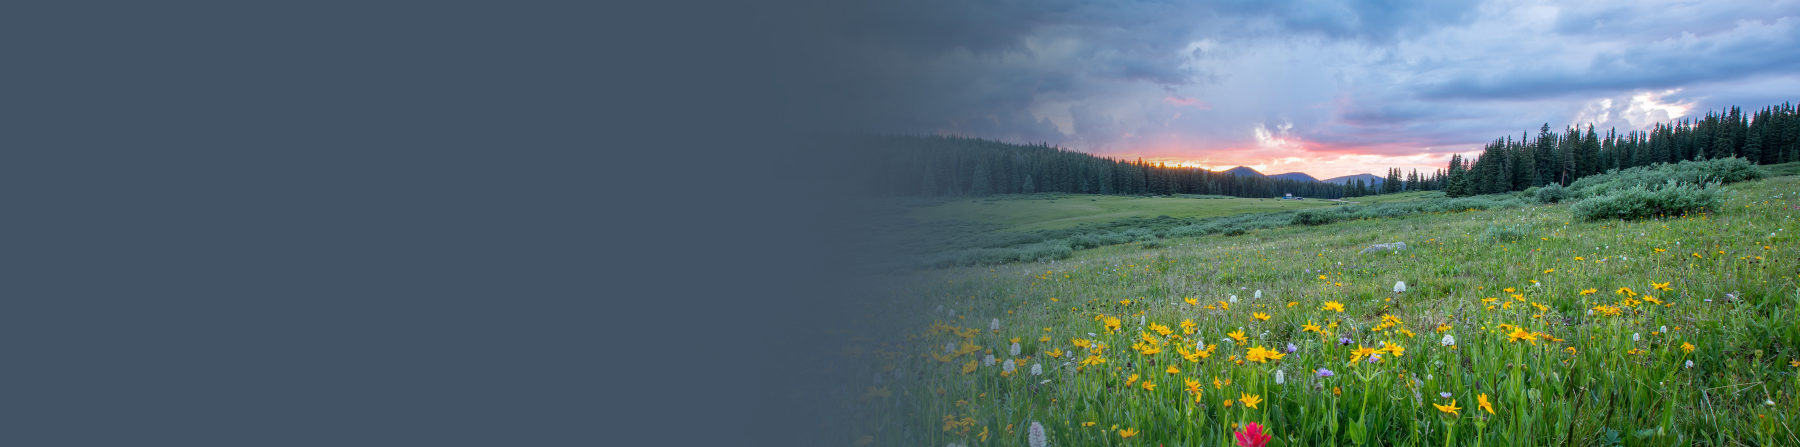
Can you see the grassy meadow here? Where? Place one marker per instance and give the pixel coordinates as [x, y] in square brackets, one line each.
[1517, 325]
[1059, 211]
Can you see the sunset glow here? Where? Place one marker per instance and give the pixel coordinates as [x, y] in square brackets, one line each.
[1220, 85]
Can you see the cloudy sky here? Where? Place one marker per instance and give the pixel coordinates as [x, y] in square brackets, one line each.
[1319, 86]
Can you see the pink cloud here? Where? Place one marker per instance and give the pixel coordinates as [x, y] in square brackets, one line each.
[1187, 102]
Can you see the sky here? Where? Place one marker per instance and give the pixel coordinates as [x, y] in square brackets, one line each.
[1328, 88]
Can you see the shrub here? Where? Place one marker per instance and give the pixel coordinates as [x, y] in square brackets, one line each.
[1317, 217]
[1653, 177]
[1551, 194]
[1496, 233]
[1639, 202]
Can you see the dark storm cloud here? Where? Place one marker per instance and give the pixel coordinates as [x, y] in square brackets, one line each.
[1298, 77]
[1749, 49]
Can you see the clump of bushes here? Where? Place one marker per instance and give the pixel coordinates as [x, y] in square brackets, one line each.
[1551, 194]
[1672, 198]
[1318, 216]
[1508, 233]
[1653, 177]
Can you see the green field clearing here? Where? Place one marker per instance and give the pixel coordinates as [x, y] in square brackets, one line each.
[1518, 326]
[1029, 213]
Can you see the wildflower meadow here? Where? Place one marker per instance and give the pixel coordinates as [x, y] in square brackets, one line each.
[1668, 330]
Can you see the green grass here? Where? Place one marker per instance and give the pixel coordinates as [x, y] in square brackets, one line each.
[1050, 212]
[1732, 291]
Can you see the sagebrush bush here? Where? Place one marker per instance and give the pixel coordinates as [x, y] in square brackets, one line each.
[1640, 202]
[1508, 233]
[1317, 217]
[1657, 176]
[1551, 194]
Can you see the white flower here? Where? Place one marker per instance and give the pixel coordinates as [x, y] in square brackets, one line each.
[1634, 337]
[952, 313]
[1280, 377]
[1015, 349]
[995, 325]
[1037, 369]
[1008, 366]
[987, 361]
[1234, 299]
[1199, 345]
[940, 308]
[1689, 364]
[1449, 340]
[1140, 321]
[1399, 286]
[1035, 435]
[1259, 294]
[950, 347]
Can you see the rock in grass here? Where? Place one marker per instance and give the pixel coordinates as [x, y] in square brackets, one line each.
[1394, 247]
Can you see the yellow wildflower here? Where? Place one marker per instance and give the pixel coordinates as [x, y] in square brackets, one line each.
[1397, 350]
[1237, 335]
[1482, 401]
[1249, 400]
[1521, 334]
[1449, 409]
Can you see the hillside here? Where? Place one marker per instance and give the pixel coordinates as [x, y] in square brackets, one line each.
[1370, 179]
[1243, 171]
[1296, 176]
[1515, 326]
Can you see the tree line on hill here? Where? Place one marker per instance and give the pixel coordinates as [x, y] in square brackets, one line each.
[957, 166]
[1769, 136]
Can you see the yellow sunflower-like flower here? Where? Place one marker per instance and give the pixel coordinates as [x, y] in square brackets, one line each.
[1250, 400]
[1521, 334]
[1448, 409]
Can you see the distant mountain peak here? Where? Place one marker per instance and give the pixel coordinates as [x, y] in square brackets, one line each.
[1368, 179]
[1296, 176]
[1243, 171]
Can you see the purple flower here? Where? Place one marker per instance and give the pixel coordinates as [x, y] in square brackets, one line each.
[1374, 358]
[1323, 373]
[1344, 340]
[1445, 394]
[1292, 348]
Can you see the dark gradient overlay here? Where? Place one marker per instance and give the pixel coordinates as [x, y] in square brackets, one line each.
[426, 223]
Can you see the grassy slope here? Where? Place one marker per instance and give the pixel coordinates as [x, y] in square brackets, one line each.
[1025, 213]
[1612, 387]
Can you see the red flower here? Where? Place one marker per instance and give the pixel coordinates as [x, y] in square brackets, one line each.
[1252, 436]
